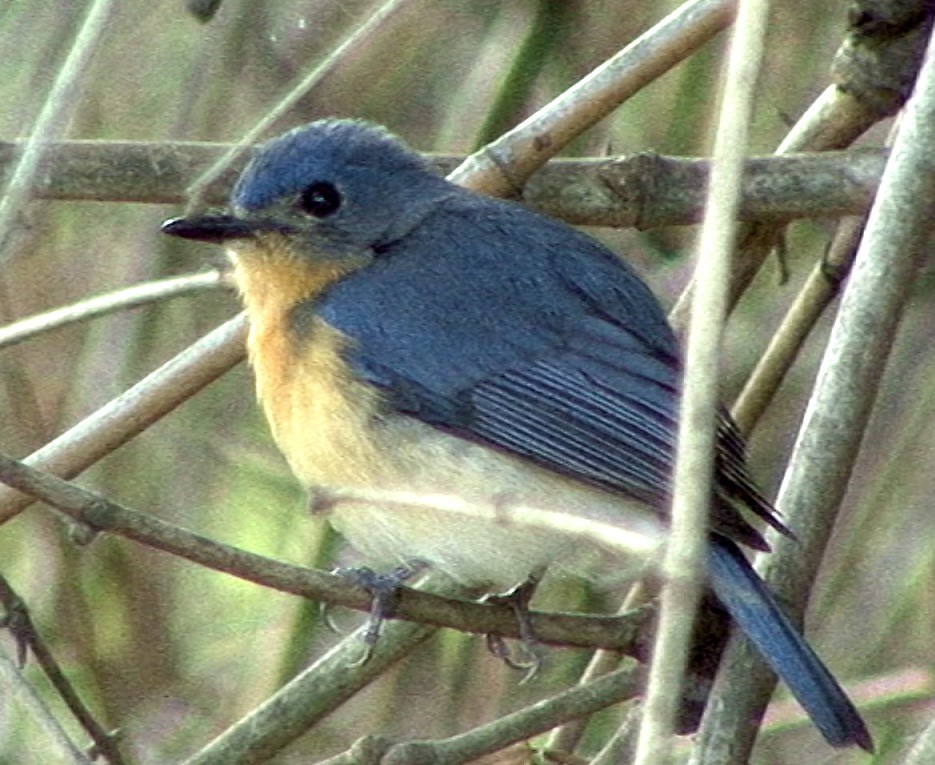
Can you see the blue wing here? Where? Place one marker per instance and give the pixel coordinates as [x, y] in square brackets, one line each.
[551, 348]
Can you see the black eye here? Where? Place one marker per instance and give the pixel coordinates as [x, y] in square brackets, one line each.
[320, 199]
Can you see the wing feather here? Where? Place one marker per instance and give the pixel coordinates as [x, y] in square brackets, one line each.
[544, 344]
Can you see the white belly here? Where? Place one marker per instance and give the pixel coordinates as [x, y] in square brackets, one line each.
[347, 449]
[465, 515]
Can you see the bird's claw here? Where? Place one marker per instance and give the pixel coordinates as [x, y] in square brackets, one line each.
[498, 647]
[517, 600]
[384, 588]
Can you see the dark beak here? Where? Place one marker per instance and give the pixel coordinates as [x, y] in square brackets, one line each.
[219, 229]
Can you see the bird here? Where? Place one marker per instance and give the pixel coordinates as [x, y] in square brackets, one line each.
[412, 337]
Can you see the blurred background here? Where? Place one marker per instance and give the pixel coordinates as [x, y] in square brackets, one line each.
[171, 653]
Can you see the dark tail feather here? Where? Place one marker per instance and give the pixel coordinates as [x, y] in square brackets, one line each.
[755, 610]
[709, 638]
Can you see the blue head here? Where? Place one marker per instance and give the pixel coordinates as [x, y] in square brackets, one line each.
[334, 188]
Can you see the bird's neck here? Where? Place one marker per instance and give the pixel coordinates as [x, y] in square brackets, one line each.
[271, 285]
[302, 381]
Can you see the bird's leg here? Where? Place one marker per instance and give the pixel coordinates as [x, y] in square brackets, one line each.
[384, 588]
[517, 600]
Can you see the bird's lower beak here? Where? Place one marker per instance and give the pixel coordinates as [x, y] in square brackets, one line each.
[217, 228]
[210, 228]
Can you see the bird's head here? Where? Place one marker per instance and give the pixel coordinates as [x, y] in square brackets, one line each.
[330, 190]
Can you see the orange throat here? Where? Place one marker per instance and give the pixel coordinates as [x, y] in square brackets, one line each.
[273, 279]
[306, 391]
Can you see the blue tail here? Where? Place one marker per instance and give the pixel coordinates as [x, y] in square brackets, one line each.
[755, 610]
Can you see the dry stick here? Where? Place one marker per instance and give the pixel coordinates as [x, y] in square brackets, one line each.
[828, 443]
[110, 302]
[245, 741]
[135, 409]
[19, 623]
[621, 746]
[502, 167]
[341, 56]
[649, 190]
[55, 113]
[821, 287]
[519, 726]
[99, 514]
[872, 77]
[694, 460]
[644, 190]
[17, 695]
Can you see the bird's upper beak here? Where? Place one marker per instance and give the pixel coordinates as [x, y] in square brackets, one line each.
[219, 228]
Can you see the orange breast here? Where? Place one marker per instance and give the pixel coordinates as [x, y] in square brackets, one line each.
[333, 431]
[319, 413]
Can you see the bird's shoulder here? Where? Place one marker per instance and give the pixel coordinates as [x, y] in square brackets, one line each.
[516, 331]
[479, 287]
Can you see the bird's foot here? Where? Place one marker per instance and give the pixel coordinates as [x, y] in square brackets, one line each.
[384, 588]
[517, 600]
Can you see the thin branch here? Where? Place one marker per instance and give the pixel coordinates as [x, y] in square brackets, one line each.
[621, 746]
[642, 190]
[17, 694]
[650, 190]
[579, 701]
[110, 302]
[56, 111]
[314, 693]
[897, 236]
[579, 630]
[820, 289]
[341, 56]
[502, 167]
[19, 623]
[135, 409]
[694, 461]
